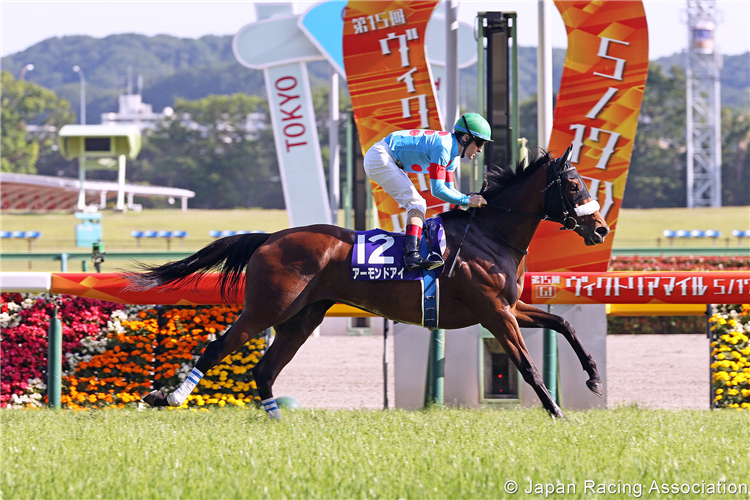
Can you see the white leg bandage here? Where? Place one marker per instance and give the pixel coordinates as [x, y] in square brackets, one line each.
[271, 408]
[181, 393]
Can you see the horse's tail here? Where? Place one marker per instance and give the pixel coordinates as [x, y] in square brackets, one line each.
[228, 255]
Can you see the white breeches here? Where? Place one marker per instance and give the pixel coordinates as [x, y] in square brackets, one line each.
[381, 168]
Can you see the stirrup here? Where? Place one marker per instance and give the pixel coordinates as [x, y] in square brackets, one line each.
[433, 261]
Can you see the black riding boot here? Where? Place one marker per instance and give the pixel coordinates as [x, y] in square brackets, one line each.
[412, 259]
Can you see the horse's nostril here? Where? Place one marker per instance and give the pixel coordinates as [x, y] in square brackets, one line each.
[602, 231]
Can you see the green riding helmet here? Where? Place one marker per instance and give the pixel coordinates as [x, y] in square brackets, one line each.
[476, 126]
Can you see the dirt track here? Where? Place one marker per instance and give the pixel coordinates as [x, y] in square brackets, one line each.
[652, 371]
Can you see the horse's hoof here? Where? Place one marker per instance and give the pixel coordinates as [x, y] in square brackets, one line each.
[155, 399]
[596, 387]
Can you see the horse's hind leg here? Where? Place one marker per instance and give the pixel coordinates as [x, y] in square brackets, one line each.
[531, 317]
[290, 335]
[235, 337]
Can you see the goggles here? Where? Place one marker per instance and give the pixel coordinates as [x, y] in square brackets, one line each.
[479, 142]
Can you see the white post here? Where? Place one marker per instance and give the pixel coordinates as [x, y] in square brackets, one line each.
[333, 145]
[121, 185]
[451, 70]
[102, 200]
[544, 80]
[81, 180]
[183, 203]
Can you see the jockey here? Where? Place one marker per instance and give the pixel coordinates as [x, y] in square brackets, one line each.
[426, 151]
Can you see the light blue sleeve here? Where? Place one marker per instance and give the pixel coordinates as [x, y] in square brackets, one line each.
[446, 192]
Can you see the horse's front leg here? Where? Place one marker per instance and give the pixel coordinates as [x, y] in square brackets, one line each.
[506, 330]
[531, 317]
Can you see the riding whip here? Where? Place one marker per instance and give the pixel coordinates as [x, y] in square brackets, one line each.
[473, 211]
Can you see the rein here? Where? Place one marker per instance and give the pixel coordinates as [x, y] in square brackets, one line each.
[567, 222]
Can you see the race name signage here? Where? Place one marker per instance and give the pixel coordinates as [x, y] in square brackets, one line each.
[390, 84]
[597, 111]
[730, 287]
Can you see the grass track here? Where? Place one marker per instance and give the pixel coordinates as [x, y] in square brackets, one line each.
[238, 453]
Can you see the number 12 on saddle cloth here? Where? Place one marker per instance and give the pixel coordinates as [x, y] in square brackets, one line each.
[379, 255]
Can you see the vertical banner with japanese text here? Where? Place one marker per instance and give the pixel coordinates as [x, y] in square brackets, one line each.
[390, 84]
[597, 110]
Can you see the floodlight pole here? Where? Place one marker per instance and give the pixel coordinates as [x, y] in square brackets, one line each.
[78, 70]
[28, 67]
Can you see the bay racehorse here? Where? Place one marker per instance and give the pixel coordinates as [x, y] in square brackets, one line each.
[292, 277]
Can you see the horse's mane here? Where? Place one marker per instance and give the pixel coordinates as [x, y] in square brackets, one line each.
[499, 178]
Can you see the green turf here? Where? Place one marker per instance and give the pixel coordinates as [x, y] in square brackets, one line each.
[641, 228]
[636, 228]
[239, 453]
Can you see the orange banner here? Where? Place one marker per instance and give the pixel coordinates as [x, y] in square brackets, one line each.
[597, 110]
[730, 287]
[390, 84]
[111, 287]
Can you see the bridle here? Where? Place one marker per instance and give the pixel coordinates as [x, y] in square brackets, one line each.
[566, 220]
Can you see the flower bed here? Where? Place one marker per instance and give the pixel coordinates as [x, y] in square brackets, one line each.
[115, 354]
[731, 350]
[678, 263]
[24, 320]
[151, 349]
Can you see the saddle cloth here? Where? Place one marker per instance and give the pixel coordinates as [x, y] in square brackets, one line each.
[379, 255]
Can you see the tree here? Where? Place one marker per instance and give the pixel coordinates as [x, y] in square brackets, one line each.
[657, 167]
[210, 146]
[735, 157]
[23, 104]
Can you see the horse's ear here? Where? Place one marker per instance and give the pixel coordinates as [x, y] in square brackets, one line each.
[564, 160]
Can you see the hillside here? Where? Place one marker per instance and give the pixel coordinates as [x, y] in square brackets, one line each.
[194, 68]
[735, 77]
[105, 61]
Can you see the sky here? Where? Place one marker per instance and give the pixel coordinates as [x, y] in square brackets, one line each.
[26, 22]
